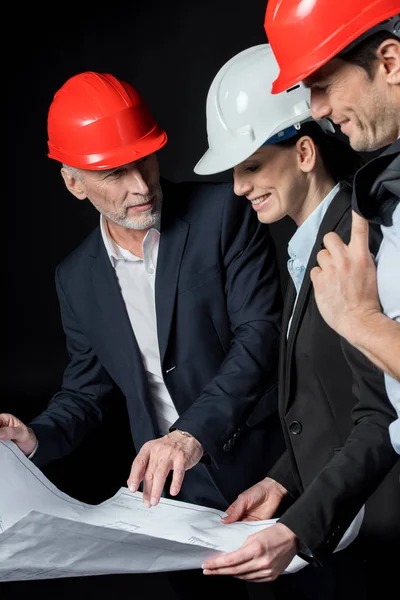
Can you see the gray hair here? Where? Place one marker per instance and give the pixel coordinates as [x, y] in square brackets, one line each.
[74, 172]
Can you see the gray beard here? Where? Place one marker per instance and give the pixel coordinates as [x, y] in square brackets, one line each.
[145, 221]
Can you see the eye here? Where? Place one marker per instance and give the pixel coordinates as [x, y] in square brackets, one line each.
[142, 160]
[251, 168]
[320, 87]
[117, 173]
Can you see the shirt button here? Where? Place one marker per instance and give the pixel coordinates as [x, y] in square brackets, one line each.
[295, 427]
[151, 270]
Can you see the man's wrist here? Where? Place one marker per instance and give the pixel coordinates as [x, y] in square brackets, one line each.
[361, 329]
[32, 454]
[188, 435]
[185, 433]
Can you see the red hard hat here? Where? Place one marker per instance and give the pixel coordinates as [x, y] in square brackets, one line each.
[98, 122]
[306, 34]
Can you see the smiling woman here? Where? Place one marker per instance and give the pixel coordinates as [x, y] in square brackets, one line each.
[287, 164]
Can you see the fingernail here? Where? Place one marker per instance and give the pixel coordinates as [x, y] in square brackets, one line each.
[132, 488]
[153, 501]
[146, 503]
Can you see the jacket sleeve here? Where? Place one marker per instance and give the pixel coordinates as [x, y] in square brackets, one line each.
[248, 375]
[283, 474]
[76, 408]
[324, 511]
[327, 507]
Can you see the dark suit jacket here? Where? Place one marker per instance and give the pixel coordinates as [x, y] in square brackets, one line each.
[334, 410]
[218, 306]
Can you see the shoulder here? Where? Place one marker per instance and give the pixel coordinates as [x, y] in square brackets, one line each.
[210, 200]
[78, 260]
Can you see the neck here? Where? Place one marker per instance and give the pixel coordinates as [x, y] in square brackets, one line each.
[129, 239]
[318, 189]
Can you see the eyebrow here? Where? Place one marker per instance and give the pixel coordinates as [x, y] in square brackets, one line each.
[310, 80]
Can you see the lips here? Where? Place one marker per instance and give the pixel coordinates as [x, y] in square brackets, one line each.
[258, 203]
[260, 199]
[142, 207]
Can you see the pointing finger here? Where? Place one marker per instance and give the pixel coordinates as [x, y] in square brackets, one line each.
[138, 469]
[359, 233]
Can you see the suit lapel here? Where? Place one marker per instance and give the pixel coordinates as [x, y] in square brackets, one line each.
[287, 311]
[174, 232]
[117, 326]
[338, 207]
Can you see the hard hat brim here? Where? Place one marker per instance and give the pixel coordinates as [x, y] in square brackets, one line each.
[116, 157]
[212, 162]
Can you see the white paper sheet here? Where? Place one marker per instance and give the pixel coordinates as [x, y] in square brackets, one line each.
[30, 546]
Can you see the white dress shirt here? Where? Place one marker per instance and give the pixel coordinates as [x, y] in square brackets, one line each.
[388, 264]
[302, 243]
[136, 277]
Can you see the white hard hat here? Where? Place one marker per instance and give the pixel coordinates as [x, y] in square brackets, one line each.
[242, 114]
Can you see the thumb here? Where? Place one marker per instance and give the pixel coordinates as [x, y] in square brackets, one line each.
[234, 512]
[359, 239]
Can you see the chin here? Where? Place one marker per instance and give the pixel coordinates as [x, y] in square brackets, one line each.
[361, 143]
[266, 219]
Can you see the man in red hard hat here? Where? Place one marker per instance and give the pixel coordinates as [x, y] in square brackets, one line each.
[174, 298]
[348, 53]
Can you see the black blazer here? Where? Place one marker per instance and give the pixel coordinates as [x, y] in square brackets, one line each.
[218, 305]
[334, 411]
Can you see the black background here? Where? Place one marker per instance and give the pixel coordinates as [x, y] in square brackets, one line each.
[170, 51]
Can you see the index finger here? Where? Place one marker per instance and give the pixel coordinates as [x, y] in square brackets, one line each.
[138, 469]
[359, 233]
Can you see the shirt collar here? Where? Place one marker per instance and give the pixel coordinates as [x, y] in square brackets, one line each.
[302, 242]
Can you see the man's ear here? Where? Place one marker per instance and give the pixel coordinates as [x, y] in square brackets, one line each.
[306, 153]
[388, 55]
[74, 183]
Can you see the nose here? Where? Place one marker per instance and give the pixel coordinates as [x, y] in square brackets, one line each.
[241, 185]
[137, 181]
[320, 107]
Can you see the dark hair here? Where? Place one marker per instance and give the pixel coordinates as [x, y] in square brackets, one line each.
[364, 54]
[338, 157]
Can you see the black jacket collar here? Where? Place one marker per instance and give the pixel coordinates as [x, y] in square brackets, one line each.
[376, 189]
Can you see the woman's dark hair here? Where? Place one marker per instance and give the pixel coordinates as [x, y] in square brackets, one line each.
[338, 157]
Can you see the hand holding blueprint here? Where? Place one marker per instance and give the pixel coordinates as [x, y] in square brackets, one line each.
[46, 534]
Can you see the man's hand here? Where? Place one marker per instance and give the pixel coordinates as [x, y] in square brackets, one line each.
[257, 503]
[13, 429]
[345, 283]
[263, 556]
[157, 458]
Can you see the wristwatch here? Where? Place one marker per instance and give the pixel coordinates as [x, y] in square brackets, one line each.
[185, 433]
